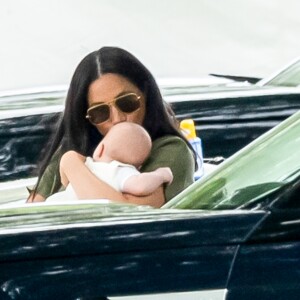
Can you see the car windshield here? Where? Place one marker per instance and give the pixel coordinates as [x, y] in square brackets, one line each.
[260, 168]
[288, 77]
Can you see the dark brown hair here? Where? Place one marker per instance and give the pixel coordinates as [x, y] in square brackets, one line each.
[75, 132]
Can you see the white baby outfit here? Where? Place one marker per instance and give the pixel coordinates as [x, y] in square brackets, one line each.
[113, 173]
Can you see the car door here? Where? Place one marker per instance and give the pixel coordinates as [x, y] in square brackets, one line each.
[45, 256]
[267, 266]
[27, 120]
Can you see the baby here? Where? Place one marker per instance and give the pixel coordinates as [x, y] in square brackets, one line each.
[116, 161]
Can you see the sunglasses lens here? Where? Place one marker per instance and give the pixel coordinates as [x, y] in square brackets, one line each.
[99, 114]
[128, 103]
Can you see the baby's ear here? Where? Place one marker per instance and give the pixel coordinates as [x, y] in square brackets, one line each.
[98, 152]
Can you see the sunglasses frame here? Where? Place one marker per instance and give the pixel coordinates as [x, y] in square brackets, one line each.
[109, 104]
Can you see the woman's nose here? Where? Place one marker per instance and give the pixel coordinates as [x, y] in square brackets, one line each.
[116, 116]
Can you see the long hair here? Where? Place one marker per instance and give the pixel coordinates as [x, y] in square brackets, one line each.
[75, 132]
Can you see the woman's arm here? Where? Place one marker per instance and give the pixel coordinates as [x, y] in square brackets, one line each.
[155, 199]
[50, 181]
[87, 186]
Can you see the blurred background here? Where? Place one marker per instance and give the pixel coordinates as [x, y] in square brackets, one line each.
[43, 41]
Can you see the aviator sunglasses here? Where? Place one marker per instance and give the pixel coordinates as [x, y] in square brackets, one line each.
[128, 103]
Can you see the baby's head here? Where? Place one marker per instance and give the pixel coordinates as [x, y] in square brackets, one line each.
[128, 143]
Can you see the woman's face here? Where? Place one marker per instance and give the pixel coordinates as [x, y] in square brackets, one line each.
[107, 88]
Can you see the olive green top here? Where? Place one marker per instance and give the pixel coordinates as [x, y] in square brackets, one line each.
[168, 151]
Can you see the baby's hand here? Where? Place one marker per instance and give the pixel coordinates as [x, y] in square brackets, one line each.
[166, 174]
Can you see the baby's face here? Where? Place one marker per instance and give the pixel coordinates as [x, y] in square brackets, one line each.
[126, 142]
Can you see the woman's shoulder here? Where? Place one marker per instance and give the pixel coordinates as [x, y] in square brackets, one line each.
[169, 140]
[173, 152]
[168, 149]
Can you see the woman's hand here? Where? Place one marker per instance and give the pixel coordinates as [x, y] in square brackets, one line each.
[35, 198]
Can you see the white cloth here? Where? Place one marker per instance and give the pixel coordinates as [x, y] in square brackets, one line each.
[113, 173]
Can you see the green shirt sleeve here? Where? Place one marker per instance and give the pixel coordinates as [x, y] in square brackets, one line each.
[172, 152]
[50, 182]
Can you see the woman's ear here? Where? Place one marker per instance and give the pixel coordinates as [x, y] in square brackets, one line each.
[98, 152]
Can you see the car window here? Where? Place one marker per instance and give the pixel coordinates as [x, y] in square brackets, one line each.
[262, 167]
[288, 77]
[290, 198]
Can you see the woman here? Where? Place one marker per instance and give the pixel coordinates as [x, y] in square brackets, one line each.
[111, 86]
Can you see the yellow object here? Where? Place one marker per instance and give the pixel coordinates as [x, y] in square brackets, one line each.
[188, 128]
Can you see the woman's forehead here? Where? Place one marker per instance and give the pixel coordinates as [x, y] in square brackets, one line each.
[109, 86]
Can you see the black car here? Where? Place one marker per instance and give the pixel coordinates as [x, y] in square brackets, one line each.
[227, 117]
[27, 119]
[234, 234]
